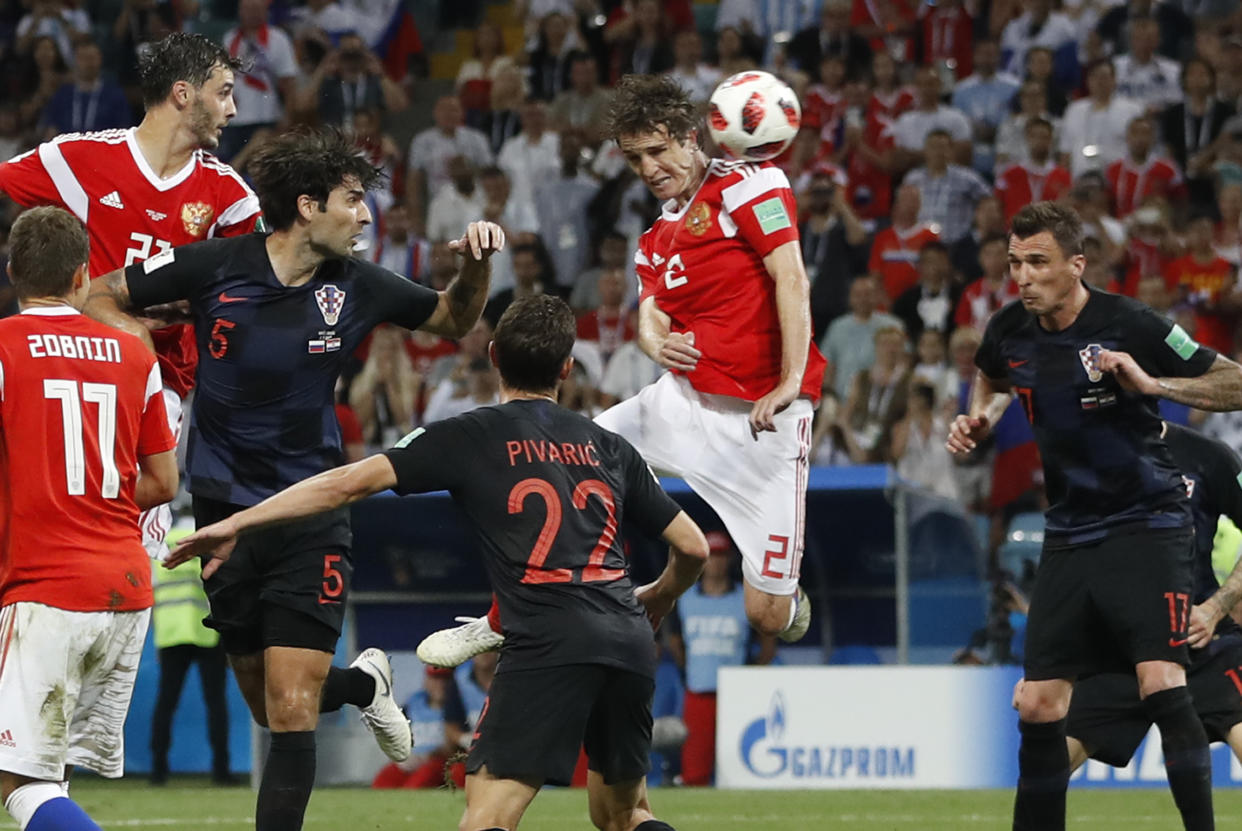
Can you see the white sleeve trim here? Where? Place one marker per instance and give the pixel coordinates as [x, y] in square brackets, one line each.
[243, 208]
[1, 380]
[155, 384]
[67, 184]
[766, 180]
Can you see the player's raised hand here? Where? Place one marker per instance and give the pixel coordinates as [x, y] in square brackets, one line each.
[216, 540]
[966, 432]
[763, 412]
[481, 240]
[1129, 374]
[657, 605]
[678, 352]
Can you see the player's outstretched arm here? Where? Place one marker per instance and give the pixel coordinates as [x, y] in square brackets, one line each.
[989, 398]
[109, 303]
[323, 492]
[687, 553]
[462, 302]
[1218, 390]
[793, 311]
[159, 480]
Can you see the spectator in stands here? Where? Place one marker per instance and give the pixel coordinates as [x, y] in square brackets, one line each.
[11, 143]
[140, 23]
[895, 249]
[1150, 245]
[763, 21]
[477, 74]
[964, 254]
[608, 324]
[267, 81]
[470, 348]
[972, 475]
[984, 297]
[1228, 237]
[384, 393]
[697, 78]
[1011, 135]
[932, 302]
[459, 199]
[1034, 179]
[1093, 132]
[823, 104]
[1228, 68]
[577, 391]
[532, 274]
[707, 632]
[877, 400]
[833, 36]
[932, 368]
[737, 51]
[479, 388]
[628, 371]
[918, 446]
[639, 42]
[1141, 174]
[435, 740]
[889, 97]
[947, 37]
[913, 126]
[400, 249]
[547, 65]
[1040, 68]
[1207, 283]
[59, 20]
[319, 24]
[584, 106]
[984, 98]
[87, 103]
[1098, 272]
[534, 154]
[561, 207]
[1190, 128]
[613, 253]
[43, 73]
[866, 156]
[849, 344]
[516, 215]
[948, 192]
[1143, 75]
[1039, 25]
[834, 248]
[431, 150]
[351, 78]
[502, 119]
[1175, 28]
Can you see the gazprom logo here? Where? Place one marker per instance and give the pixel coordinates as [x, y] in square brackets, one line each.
[767, 754]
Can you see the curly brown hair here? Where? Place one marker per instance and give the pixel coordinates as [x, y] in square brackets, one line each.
[645, 103]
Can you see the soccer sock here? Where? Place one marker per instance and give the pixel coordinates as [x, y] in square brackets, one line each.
[287, 781]
[346, 686]
[654, 825]
[1043, 776]
[493, 617]
[1186, 756]
[793, 610]
[43, 806]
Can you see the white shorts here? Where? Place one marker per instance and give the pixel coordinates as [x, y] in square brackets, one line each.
[66, 679]
[156, 522]
[757, 487]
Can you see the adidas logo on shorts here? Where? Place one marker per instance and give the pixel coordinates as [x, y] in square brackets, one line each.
[6, 739]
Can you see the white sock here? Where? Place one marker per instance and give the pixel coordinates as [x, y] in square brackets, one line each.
[26, 800]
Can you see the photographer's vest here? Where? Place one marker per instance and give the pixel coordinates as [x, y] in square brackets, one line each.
[180, 603]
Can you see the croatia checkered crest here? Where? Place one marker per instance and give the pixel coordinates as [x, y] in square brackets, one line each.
[330, 300]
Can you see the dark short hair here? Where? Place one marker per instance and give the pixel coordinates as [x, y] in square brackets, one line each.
[1063, 223]
[533, 339]
[306, 162]
[1038, 122]
[180, 57]
[46, 246]
[993, 237]
[645, 103]
[933, 246]
[938, 132]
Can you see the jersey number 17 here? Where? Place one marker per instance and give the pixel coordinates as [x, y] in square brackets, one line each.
[103, 395]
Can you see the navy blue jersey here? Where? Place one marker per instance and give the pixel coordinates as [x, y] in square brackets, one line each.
[545, 490]
[1213, 476]
[270, 355]
[1105, 465]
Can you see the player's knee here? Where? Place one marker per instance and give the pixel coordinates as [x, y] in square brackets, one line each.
[292, 708]
[1039, 703]
[1157, 676]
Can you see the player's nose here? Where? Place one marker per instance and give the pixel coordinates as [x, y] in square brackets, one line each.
[364, 213]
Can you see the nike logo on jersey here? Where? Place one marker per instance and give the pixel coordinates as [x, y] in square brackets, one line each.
[1016, 364]
[112, 200]
[224, 298]
[1176, 642]
[156, 215]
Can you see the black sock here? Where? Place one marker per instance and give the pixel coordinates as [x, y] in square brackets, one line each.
[346, 686]
[653, 825]
[287, 781]
[1043, 776]
[1186, 756]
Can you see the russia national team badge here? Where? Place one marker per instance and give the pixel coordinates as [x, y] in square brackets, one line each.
[1090, 357]
[330, 300]
[699, 220]
[196, 218]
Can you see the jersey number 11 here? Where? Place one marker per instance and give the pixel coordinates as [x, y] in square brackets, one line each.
[104, 395]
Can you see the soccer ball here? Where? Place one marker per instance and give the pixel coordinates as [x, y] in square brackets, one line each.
[753, 116]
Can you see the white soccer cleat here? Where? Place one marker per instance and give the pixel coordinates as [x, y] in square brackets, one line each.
[801, 622]
[383, 717]
[452, 647]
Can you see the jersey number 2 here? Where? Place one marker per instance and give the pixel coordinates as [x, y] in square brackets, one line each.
[594, 570]
[103, 395]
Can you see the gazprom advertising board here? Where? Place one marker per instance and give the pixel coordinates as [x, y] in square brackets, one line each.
[892, 727]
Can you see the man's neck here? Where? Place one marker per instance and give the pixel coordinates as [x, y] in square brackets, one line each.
[994, 281]
[863, 317]
[692, 186]
[1101, 102]
[933, 107]
[1062, 318]
[937, 170]
[166, 147]
[714, 586]
[1139, 161]
[1204, 256]
[293, 260]
[89, 85]
[1039, 162]
[1197, 102]
[508, 394]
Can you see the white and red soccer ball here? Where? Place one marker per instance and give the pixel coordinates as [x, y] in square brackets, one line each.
[753, 116]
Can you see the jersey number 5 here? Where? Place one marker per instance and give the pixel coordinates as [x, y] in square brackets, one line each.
[103, 395]
[594, 570]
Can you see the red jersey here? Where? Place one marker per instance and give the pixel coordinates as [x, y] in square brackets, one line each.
[1021, 183]
[895, 255]
[822, 108]
[979, 302]
[131, 214]
[704, 267]
[886, 106]
[609, 330]
[948, 35]
[80, 403]
[888, 15]
[1130, 184]
[871, 186]
[1204, 284]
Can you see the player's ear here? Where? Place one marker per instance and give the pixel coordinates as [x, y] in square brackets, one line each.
[307, 207]
[182, 93]
[81, 278]
[491, 353]
[567, 368]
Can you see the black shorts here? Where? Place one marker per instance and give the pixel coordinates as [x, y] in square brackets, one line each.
[535, 721]
[282, 586]
[1107, 716]
[1114, 603]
